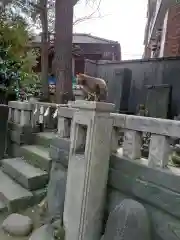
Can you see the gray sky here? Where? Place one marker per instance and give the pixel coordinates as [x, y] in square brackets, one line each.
[123, 21]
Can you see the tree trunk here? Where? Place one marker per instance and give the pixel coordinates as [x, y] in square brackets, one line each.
[63, 50]
[44, 50]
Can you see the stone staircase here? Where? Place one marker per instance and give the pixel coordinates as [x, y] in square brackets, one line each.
[23, 180]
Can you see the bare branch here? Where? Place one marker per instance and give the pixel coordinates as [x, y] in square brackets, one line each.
[91, 15]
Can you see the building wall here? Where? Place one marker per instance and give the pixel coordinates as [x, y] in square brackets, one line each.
[147, 52]
[107, 51]
[172, 42]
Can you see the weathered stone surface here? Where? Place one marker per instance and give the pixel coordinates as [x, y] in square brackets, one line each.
[164, 177]
[159, 151]
[157, 187]
[66, 112]
[159, 126]
[38, 156]
[59, 150]
[28, 176]
[59, 155]
[21, 138]
[15, 196]
[129, 220]
[132, 144]
[161, 230]
[86, 188]
[43, 233]
[44, 138]
[17, 225]
[22, 129]
[56, 191]
[20, 105]
[119, 120]
[63, 127]
[61, 143]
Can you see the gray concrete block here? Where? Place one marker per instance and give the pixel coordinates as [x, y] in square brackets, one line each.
[11, 193]
[28, 176]
[37, 156]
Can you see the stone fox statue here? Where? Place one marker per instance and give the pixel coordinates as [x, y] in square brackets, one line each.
[95, 89]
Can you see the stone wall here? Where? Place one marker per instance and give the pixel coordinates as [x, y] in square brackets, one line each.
[153, 181]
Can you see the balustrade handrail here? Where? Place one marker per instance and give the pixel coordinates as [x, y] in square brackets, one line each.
[165, 127]
[20, 105]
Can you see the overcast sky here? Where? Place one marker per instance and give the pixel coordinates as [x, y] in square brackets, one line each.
[123, 21]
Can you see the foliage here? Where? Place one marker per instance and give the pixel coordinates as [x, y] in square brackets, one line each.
[16, 60]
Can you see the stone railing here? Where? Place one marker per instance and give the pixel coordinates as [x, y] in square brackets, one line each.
[46, 114]
[65, 115]
[60, 145]
[161, 131]
[20, 112]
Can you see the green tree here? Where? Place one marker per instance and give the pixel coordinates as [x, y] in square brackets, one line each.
[16, 60]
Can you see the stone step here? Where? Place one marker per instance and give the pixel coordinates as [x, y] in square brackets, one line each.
[12, 194]
[25, 174]
[44, 138]
[38, 156]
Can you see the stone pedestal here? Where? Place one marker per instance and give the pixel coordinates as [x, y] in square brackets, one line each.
[88, 170]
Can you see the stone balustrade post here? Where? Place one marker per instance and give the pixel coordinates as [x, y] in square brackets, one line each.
[20, 113]
[132, 144]
[159, 151]
[65, 115]
[88, 170]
